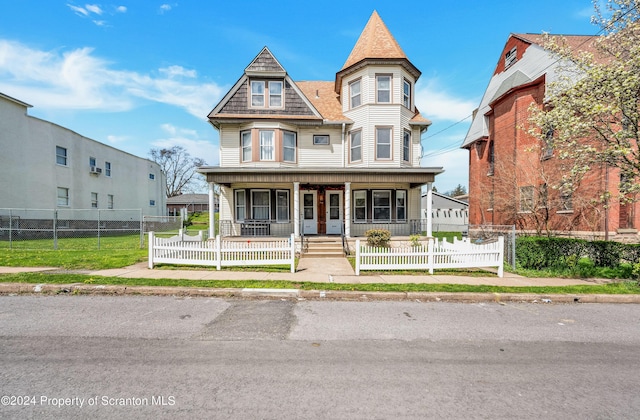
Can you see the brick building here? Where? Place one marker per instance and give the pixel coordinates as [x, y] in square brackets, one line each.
[511, 174]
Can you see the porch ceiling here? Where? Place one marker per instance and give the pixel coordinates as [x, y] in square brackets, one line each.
[226, 176]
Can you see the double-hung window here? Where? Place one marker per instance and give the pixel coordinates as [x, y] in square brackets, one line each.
[289, 146]
[267, 138]
[107, 168]
[63, 196]
[401, 205]
[260, 204]
[92, 162]
[355, 94]
[381, 205]
[383, 142]
[245, 140]
[257, 93]
[383, 89]
[240, 205]
[406, 93]
[406, 146]
[360, 206]
[282, 206]
[275, 94]
[94, 200]
[61, 156]
[109, 201]
[526, 198]
[355, 146]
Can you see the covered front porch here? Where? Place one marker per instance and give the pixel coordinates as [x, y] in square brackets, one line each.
[259, 202]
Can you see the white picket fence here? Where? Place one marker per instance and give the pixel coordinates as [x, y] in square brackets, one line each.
[185, 250]
[437, 255]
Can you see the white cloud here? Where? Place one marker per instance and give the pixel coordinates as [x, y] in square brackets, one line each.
[79, 10]
[456, 169]
[435, 103]
[165, 8]
[94, 8]
[178, 71]
[189, 139]
[111, 139]
[77, 79]
[121, 9]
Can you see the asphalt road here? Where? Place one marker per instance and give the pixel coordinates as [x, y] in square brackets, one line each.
[165, 357]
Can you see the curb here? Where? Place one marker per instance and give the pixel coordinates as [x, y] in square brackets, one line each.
[85, 289]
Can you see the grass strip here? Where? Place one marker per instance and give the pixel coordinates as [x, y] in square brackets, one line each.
[625, 288]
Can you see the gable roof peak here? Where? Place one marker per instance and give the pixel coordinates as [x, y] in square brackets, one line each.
[265, 64]
[375, 41]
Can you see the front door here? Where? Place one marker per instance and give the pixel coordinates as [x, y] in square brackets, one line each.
[334, 212]
[309, 212]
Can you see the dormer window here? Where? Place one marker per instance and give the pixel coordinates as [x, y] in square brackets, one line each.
[267, 94]
[510, 57]
[275, 94]
[257, 93]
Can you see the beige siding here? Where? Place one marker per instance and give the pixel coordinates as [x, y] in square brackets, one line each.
[310, 155]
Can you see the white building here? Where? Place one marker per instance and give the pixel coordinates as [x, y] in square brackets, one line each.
[447, 213]
[46, 166]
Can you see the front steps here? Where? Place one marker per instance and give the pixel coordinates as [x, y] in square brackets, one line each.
[323, 247]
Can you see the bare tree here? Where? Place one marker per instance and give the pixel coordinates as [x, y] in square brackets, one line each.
[179, 168]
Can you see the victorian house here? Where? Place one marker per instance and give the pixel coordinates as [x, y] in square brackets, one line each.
[323, 157]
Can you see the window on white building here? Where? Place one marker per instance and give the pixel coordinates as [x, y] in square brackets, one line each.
[381, 205]
[355, 146]
[282, 206]
[260, 204]
[94, 200]
[245, 139]
[383, 142]
[355, 94]
[267, 144]
[406, 146]
[63, 197]
[109, 201]
[61, 156]
[289, 146]
[107, 168]
[383, 88]
[240, 205]
[360, 206]
[406, 93]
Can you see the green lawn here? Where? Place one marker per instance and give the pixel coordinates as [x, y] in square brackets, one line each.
[43, 278]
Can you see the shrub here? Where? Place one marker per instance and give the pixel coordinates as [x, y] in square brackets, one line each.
[415, 240]
[378, 237]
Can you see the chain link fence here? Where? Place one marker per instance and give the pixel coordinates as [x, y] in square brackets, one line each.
[489, 233]
[79, 229]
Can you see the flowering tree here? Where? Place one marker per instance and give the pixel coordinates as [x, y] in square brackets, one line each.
[591, 116]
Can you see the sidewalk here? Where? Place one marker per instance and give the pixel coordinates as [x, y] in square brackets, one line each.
[317, 270]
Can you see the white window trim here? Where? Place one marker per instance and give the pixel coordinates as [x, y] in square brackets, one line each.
[351, 147]
[248, 146]
[94, 200]
[294, 147]
[263, 94]
[352, 95]
[390, 143]
[107, 169]
[65, 197]
[406, 148]
[288, 219]
[263, 147]
[318, 137]
[281, 94]
[374, 207]
[253, 206]
[378, 90]
[355, 194]
[235, 205]
[406, 97]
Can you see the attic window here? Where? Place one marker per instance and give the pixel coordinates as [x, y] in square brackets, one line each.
[511, 57]
[267, 94]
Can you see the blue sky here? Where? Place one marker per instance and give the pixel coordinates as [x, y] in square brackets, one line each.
[140, 74]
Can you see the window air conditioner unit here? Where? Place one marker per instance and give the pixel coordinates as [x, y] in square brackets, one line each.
[95, 170]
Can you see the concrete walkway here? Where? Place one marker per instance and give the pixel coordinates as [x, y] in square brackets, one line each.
[318, 270]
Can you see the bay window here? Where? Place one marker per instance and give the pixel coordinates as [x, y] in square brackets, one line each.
[383, 143]
[355, 146]
[246, 145]
[289, 146]
[266, 144]
[354, 92]
[383, 89]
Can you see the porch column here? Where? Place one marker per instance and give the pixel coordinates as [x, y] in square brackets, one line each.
[429, 208]
[347, 209]
[212, 208]
[296, 209]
